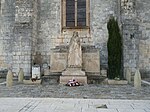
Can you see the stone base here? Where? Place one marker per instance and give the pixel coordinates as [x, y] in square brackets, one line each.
[90, 56]
[97, 79]
[74, 72]
[117, 82]
[65, 78]
[30, 82]
[71, 73]
[50, 79]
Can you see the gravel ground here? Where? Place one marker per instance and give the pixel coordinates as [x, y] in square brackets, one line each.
[86, 91]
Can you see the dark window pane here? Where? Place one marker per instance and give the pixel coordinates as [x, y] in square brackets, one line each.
[70, 24]
[70, 16]
[70, 13]
[81, 23]
[81, 13]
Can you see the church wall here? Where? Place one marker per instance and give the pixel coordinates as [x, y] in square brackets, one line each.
[16, 35]
[51, 33]
[37, 29]
[49, 27]
[7, 11]
[131, 35]
[22, 40]
[100, 11]
[30, 27]
[143, 18]
[136, 35]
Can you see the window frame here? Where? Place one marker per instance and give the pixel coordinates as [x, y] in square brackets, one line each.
[63, 16]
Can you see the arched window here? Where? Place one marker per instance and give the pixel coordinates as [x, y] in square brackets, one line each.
[75, 13]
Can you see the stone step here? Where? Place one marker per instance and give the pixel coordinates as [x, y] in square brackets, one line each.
[50, 79]
[96, 79]
[65, 78]
[54, 79]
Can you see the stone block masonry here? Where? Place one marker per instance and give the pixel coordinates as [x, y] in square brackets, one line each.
[22, 40]
[30, 26]
[7, 17]
[143, 14]
[136, 38]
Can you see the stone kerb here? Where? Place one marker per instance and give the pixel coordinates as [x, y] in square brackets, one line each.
[117, 82]
[32, 82]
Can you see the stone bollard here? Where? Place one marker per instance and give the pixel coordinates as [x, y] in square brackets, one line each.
[9, 79]
[20, 75]
[137, 80]
[128, 75]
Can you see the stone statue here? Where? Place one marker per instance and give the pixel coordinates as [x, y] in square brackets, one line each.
[75, 53]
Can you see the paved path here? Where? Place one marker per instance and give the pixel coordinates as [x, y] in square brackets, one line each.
[87, 98]
[86, 91]
[72, 105]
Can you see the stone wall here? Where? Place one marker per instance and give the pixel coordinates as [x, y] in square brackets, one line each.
[7, 18]
[143, 18]
[130, 31]
[33, 27]
[49, 27]
[100, 11]
[51, 34]
[37, 28]
[1, 42]
[130, 34]
[136, 39]
[22, 40]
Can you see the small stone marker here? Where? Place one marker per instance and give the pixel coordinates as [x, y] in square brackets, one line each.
[128, 75]
[137, 80]
[20, 75]
[9, 79]
[46, 71]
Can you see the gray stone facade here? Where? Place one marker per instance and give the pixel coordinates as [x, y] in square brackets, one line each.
[33, 27]
[143, 18]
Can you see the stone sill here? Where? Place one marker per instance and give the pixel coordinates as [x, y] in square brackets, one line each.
[31, 82]
[76, 27]
[117, 82]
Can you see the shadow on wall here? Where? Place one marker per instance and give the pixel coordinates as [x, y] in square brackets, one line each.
[37, 59]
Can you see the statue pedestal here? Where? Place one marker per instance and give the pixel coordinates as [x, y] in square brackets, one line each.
[75, 73]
